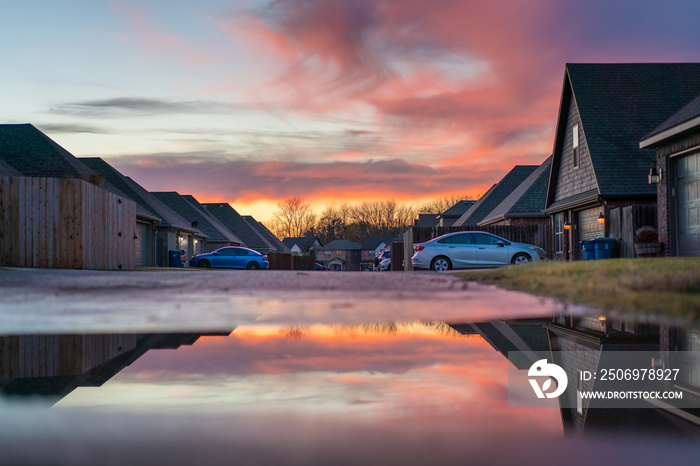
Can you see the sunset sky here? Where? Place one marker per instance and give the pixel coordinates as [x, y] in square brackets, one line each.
[250, 102]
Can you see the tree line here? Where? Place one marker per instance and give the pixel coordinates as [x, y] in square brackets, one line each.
[295, 217]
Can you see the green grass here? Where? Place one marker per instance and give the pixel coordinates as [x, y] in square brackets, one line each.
[636, 287]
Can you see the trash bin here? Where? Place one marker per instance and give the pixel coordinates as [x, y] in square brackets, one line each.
[176, 258]
[588, 250]
[605, 248]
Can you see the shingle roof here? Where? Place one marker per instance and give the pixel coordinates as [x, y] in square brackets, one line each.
[690, 111]
[235, 222]
[496, 195]
[527, 200]
[265, 233]
[168, 217]
[457, 210]
[304, 242]
[342, 245]
[373, 242]
[31, 152]
[7, 170]
[187, 207]
[618, 105]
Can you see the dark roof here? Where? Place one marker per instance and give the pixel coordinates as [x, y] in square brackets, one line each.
[189, 209]
[32, 153]
[373, 242]
[304, 242]
[688, 112]
[457, 210]
[7, 170]
[496, 195]
[428, 220]
[618, 105]
[235, 222]
[265, 233]
[527, 200]
[342, 245]
[168, 217]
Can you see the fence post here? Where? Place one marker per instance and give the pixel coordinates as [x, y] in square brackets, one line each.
[408, 249]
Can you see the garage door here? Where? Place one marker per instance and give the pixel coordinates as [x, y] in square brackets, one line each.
[688, 183]
[589, 228]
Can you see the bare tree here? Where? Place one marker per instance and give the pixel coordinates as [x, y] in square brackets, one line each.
[293, 217]
[438, 206]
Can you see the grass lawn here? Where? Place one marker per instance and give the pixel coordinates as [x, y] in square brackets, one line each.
[657, 286]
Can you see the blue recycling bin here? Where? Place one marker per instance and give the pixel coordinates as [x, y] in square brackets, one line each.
[605, 248]
[588, 250]
[176, 258]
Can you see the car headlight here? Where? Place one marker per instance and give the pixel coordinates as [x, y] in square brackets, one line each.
[538, 250]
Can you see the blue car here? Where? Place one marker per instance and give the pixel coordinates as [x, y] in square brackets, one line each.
[231, 257]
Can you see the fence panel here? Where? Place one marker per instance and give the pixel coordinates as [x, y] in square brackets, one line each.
[64, 223]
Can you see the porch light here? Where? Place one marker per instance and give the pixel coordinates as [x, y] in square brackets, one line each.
[567, 225]
[601, 218]
[654, 174]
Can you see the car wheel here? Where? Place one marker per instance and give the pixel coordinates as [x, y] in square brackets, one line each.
[204, 264]
[441, 264]
[521, 258]
[253, 266]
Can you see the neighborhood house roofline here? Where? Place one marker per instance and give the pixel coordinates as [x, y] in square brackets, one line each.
[685, 119]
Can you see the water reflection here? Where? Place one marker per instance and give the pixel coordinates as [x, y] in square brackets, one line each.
[393, 374]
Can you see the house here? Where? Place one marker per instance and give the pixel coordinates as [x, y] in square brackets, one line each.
[87, 222]
[525, 204]
[494, 196]
[371, 249]
[250, 236]
[598, 167]
[266, 233]
[340, 255]
[171, 230]
[427, 221]
[677, 170]
[190, 209]
[304, 245]
[451, 215]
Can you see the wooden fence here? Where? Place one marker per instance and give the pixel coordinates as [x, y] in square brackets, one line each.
[65, 223]
[280, 261]
[624, 222]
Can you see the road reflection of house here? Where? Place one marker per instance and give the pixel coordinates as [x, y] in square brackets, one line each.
[581, 343]
[52, 366]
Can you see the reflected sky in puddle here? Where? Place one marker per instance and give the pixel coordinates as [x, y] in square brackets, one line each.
[370, 373]
[343, 390]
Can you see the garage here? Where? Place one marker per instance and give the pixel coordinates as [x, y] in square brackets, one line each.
[688, 204]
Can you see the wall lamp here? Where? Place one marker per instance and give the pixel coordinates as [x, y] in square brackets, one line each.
[567, 225]
[654, 174]
[601, 218]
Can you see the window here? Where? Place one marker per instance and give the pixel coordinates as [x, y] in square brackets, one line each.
[559, 233]
[483, 238]
[575, 146]
[337, 253]
[371, 252]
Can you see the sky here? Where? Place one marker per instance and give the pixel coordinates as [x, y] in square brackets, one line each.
[251, 101]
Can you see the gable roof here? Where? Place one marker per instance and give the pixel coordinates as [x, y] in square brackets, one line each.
[189, 209]
[684, 119]
[373, 242]
[342, 245]
[168, 217]
[227, 215]
[527, 200]
[618, 104]
[495, 195]
[457, 210]
[304, 242]
[265, 233]
[7, 170]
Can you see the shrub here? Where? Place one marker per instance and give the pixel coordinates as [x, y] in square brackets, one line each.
[646, 235]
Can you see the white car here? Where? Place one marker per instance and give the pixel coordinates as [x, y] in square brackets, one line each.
[472, 249]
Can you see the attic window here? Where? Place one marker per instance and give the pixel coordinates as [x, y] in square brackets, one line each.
[575, 146]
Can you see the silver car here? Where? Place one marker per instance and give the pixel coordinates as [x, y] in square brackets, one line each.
[472, 249]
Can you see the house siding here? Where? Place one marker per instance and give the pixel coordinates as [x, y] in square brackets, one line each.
[571, 180]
